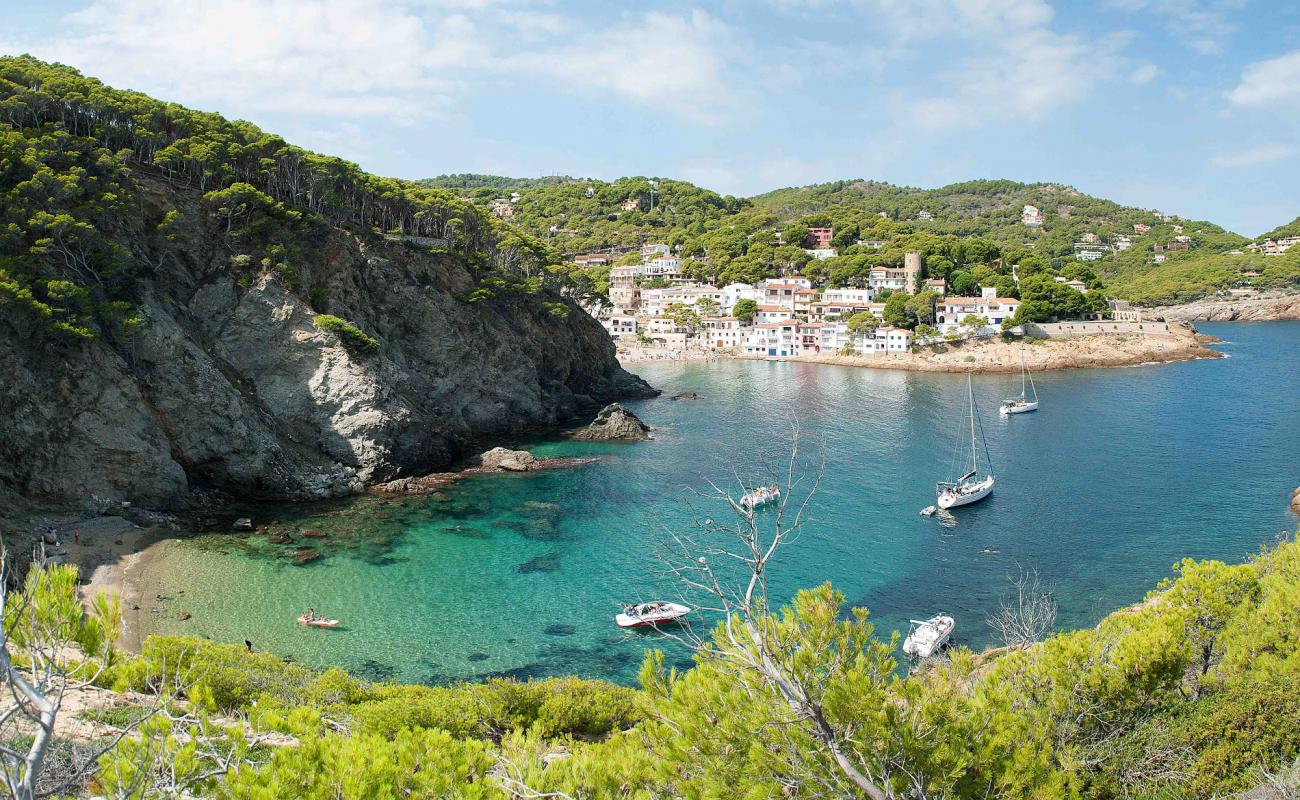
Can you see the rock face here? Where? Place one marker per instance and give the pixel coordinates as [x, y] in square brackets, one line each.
[501, 459]
[1295, 500]
[1247, 309]
[228, 384]
[615, 423]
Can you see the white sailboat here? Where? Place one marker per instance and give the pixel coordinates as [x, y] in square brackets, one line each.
[1022, 404]
[970, 487]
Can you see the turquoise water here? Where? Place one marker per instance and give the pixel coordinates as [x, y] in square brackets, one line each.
[1121, 473]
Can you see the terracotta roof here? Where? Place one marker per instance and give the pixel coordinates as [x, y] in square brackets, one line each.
[773, 308]
[781, 324]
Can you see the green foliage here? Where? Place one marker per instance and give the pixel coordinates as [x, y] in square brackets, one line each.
[353, 338]
[745, 310]
[863, 322]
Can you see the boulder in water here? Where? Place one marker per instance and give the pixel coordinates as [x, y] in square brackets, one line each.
[500, 458]
[615, 423]
[686, 396]
[1295, 500]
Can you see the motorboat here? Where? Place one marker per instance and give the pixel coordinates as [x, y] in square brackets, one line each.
[651, 615]
[761, 496]
[927, 637]
[970, 487]
[1022, 404]
[317, 622]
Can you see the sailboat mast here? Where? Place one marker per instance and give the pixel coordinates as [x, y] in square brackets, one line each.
[1022, 374]
[974, 452]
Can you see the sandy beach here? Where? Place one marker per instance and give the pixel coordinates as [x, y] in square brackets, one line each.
[114, 555]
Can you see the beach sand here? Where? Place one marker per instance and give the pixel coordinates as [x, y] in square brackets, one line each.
[114, 557]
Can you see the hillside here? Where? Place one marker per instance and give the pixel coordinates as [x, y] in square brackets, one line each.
[970, 227]
[191, 303]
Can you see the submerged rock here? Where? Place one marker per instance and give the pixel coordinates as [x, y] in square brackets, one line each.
[615, 423]
[686, 396]
[305, 557]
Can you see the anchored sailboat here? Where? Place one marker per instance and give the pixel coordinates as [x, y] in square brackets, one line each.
[969, 488]
[1022, 404]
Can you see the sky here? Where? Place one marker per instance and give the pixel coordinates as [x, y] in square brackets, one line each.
[1187, 106]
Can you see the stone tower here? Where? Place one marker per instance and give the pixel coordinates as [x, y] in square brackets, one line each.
[911, 271]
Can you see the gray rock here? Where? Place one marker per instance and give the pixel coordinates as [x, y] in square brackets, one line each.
[228, 385]
[499, 458]
[243, 524]
[615, 423]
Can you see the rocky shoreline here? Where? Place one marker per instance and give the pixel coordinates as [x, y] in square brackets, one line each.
[998, 356]
[1264, 308]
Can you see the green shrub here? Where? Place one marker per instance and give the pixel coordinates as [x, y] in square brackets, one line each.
[353, 338]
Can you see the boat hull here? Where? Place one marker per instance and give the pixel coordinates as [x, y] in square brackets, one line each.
[1019, 408]
[920, 645]
[982, 490]
[671, 613]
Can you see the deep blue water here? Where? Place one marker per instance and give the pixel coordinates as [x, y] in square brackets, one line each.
[1121, 473]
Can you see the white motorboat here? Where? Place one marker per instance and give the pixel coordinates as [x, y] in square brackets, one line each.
[969, 488]
[927, 637]
[1022, 404]
[760, 496]
[651, 615]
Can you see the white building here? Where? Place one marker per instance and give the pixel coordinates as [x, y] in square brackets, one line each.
[773, 340]
[620, 325]
[874, 244]
[821, 253]
[953, 310]
[925, 216]
[1123, 243]
[774, 313]
[849, 296]
[1089, 251]
[723, 333]
[1031, 217]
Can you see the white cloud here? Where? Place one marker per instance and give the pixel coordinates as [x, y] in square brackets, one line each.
[683, 65]
[1006, 59]
[1254, 156]
[1267, 82]
[1144, 74]
[400, 59]
[1200, 24]
[330, 57]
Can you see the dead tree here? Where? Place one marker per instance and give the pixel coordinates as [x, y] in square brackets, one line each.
[706, 564]
[1027, 614]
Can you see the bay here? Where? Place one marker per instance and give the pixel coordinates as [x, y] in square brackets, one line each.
[1120, 474]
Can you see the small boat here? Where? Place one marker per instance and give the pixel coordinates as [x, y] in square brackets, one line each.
[760, 496]
[969, 488]
[928, 511]
[1022, 404]
[317, 622]
[650, 615]
[927, 637]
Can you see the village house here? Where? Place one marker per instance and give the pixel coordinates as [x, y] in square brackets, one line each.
[936, 285]
[1140, 228]
[822, 253]
[953, 310]
[503, 208]
[631, 204]
[925, 216]
[773, 339]
[1123, 243]
[1090, 251]
[774, 313]
[723, 333]
[1077, 285]
[874, 244]
[620, 325]
[1031, 217]
[820, 237]
[849, 296]
[803, 300]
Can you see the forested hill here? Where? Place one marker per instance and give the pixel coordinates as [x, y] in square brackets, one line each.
[187, 301]
[958, 228]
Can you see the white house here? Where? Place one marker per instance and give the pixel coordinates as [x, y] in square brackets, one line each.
[620, 325]
[849, 296]
[821, 253]
[774, 313]
[773, 339]
[723, 333]
[1031, 217]
[953, 310]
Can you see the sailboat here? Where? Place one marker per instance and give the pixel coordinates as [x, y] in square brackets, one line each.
[1022, 404]
[969, 488]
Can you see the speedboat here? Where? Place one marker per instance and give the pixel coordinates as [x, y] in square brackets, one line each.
[317, 622]
[760, 497]
[651, 615]
[927, 637]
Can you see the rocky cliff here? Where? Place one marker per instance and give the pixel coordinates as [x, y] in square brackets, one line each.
[230, 384]
[1245, 309]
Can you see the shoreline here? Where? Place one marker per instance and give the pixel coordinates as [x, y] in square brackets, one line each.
[996, 356]
[112, 557]
[1269, 307]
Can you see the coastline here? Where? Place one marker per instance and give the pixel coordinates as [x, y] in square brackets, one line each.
[1264, 308]
[996, 356]
[113, 556]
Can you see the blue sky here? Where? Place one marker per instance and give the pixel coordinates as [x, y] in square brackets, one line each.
[1188, 106]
